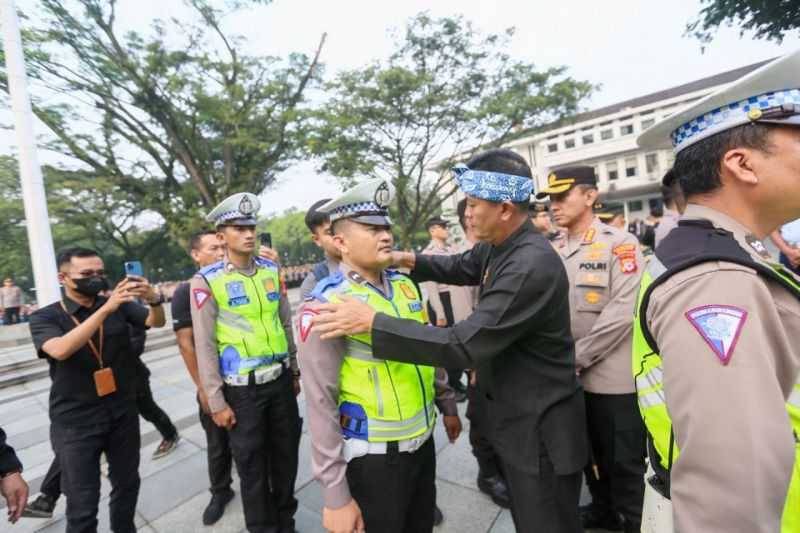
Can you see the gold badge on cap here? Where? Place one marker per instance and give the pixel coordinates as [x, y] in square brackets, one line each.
[754, 113]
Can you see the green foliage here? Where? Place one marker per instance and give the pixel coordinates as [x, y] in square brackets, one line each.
[291, 238]
[444, 91]
[174, 120]
[768, 19]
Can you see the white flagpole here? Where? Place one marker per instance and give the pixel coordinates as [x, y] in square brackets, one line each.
[37, 220]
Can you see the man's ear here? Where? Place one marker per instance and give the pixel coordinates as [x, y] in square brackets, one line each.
[338, 240]
[739, 164]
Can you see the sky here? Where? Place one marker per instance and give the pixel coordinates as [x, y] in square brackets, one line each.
[628, 47]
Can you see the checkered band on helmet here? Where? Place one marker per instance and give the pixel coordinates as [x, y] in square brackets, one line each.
[345, 211]
[729, 116]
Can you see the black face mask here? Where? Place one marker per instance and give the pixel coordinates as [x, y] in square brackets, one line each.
[90, 286]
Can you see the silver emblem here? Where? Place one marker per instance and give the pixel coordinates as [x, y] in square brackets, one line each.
[246, 206]
[382, 195]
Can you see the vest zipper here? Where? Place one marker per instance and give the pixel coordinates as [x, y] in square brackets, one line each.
[261, 317]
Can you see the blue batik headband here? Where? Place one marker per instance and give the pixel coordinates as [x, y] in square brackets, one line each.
[493, 186]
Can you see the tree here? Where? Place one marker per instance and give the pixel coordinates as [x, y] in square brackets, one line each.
[177, 119]
[768, 19]
[444, 91]
[291, 238]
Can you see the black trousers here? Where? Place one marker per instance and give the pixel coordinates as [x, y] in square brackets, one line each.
[265, 443]
[79, 449]
[544, 503]
[11, 315]
[220, 459]
[150, 410]
[396, 491]
[51, 484]
[488, 461]
[618, 440]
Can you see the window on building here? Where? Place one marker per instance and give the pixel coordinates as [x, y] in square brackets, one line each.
[605, 123]
[588, 139]
[623, 119]
[635, 205]
[606, 134]
[569, 143]
[626, 129]
[611, 168]
[651, 163]
[649, 112]
[630, 167]
[552, 147]
[647, 123]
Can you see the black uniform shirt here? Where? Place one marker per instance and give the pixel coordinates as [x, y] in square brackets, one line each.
[73, 395]
[181, 310]
[8, 459]
[518, 339]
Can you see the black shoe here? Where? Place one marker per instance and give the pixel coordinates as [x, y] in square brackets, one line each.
[41, 507]
[438, 517]
[166, 447]
[496, 488]
[594, 517]
[216, 507]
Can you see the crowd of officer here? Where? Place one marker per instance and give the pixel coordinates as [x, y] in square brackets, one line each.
[681, 416]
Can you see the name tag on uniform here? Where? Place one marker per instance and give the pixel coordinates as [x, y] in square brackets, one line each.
[236, 293]
[415, 307]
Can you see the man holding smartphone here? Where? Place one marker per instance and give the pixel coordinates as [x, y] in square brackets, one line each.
[86, 341]
[246, 363]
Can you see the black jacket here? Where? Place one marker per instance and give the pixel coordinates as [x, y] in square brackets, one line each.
[8, 459]
[517, 338]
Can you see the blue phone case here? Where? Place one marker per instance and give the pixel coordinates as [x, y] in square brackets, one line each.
[134, 268]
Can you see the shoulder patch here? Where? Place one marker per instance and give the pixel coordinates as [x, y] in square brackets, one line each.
[260, 261]
[720, 326]
[200, 297]
[304, 324]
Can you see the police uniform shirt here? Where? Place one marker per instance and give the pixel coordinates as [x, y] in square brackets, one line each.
[73, 394]
[461, 298]
[320, 363]
[311, 280]
[518, 340]
[666, 224]
[9, 462]
[204, 320]
[729, 418]
[604, 266]
[181, 308]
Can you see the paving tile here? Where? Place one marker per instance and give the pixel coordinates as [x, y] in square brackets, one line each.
[455, 463]
[167, 489]
[311, 496]
[188, 517]
[148, 466]
[464, 510]
[504, 523]
[308, 521]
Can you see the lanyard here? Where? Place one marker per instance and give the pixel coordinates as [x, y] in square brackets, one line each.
[98, 354]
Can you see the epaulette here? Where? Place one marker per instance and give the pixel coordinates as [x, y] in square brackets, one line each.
[261, 262]
[333, 281]
[212, 270]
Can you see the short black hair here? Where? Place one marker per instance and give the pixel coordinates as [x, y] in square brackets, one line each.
[314, 217]
[668, 195]
[461, 209]
[65, 256]
[698, 165]
[195, 239]
[657, 211]
[505, 161]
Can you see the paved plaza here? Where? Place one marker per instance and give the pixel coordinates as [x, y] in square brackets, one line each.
[174, 489]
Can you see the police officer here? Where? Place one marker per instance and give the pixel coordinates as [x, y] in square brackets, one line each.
[540, 217]
[517, 339]
[612, 214]
[715, 354]
[205, 249]
[604, 267]
[245, 356]
[319, 224]
[371, 422]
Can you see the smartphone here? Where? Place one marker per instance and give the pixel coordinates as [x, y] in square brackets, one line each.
[134, 268]
[266, 239]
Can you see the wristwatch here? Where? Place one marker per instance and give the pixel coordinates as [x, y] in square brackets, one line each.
[157, 302]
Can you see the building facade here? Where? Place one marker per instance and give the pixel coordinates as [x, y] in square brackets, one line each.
[605, 138]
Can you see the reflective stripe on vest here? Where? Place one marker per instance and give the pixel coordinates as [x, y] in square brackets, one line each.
[249, 331]
[382, 400]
